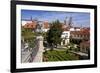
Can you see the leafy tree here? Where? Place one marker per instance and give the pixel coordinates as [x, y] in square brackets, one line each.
[54, 34]
[27, 33]
[28, 36]
[44, 34]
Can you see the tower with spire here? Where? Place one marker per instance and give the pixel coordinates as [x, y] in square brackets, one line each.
[68, 22]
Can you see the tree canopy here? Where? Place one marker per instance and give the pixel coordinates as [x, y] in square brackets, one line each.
[54, 34]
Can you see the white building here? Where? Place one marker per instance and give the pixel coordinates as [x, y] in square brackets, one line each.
[45, 29]
[65, 37]
[75, 29]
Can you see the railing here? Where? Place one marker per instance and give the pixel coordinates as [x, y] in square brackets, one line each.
[27, 55]
[35, 54]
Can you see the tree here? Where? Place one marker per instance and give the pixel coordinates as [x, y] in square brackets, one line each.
[54, 34]
[28, 36]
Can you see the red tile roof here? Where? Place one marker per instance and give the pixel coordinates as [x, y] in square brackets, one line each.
[31, 25]
[46, 25]
[84, 32]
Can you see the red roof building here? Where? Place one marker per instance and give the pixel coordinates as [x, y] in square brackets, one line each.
[31, 25]
[85, 46]
[45, 25]
[80, 34]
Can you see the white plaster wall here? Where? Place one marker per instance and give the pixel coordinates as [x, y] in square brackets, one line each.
[65, 34]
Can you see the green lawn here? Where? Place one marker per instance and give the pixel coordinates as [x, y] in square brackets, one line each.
[57, 55]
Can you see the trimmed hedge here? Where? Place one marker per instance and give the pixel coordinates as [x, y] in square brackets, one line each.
[60, 56]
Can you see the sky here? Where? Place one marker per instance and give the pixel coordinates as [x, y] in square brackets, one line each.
[78, 18]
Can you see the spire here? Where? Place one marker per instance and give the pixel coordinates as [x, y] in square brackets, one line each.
[70, 22]
[65, 21]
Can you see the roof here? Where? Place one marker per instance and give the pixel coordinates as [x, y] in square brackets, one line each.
[85, 29]
[85, 32]
[31, 25]
[46, 24]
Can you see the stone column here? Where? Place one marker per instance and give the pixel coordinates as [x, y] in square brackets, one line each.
[39, 56]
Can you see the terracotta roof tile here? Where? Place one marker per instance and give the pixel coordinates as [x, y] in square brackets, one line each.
[46, 24]
[85, 32]
[31, 25]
